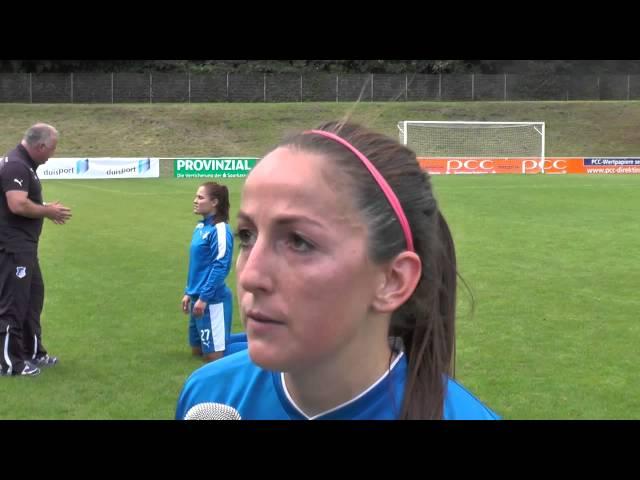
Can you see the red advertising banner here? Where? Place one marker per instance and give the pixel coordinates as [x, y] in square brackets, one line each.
[520, 165]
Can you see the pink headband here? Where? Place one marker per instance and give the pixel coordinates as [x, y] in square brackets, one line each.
[386, 189]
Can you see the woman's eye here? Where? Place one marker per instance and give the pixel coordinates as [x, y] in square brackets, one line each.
[299, 244]
[245, 237]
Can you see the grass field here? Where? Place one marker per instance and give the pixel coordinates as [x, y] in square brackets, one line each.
[551, 261]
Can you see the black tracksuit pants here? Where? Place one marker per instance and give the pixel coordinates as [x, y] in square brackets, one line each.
[21, 302]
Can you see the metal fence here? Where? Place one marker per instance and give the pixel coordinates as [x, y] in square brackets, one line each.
[234, 87]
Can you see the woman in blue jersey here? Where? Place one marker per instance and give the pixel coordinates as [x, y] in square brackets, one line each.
[207, 299]
[346, 281]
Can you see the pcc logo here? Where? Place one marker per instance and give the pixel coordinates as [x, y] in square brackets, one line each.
[470, 166]
[546, 166]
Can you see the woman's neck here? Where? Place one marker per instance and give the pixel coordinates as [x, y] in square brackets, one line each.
[337, 380]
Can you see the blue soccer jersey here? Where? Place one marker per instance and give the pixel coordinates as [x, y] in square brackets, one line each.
[258, 394]
[210, 260]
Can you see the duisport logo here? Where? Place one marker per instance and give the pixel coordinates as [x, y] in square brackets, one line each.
[101, 167]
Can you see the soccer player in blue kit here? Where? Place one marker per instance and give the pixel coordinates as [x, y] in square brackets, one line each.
[207, 299]
[346, 281]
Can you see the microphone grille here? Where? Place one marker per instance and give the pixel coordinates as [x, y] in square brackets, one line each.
[212, 411]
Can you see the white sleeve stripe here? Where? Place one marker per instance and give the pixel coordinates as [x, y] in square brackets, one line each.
[222, 239]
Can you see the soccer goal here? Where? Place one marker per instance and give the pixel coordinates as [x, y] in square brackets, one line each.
[475, 140]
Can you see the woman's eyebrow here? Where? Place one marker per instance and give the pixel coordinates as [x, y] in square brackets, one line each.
[283, 220]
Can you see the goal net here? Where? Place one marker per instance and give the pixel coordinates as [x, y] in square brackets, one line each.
[476, 140]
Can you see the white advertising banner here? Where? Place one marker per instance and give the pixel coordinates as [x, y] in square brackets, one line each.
[103, 167]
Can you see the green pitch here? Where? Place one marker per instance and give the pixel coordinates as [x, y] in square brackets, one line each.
[550, 261]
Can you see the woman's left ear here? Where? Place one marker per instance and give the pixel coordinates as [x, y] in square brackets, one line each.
[400, 279]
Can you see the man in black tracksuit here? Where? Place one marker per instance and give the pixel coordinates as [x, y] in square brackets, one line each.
[22, 212]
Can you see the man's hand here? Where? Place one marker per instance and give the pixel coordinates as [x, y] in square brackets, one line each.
[58, 213]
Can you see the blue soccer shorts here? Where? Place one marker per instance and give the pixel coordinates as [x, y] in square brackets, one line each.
[211, 331]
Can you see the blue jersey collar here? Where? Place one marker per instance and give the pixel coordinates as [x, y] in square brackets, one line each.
[388, 389]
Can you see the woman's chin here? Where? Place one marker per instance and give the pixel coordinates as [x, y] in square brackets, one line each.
[267, 357]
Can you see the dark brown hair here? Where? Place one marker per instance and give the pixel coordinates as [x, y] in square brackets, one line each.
[221, 192]
[425, 323]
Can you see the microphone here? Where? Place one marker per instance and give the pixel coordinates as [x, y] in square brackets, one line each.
[212, 411]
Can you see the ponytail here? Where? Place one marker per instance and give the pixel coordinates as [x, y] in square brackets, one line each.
[429, 335]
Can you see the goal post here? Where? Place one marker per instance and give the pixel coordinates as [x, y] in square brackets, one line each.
[475, 139]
